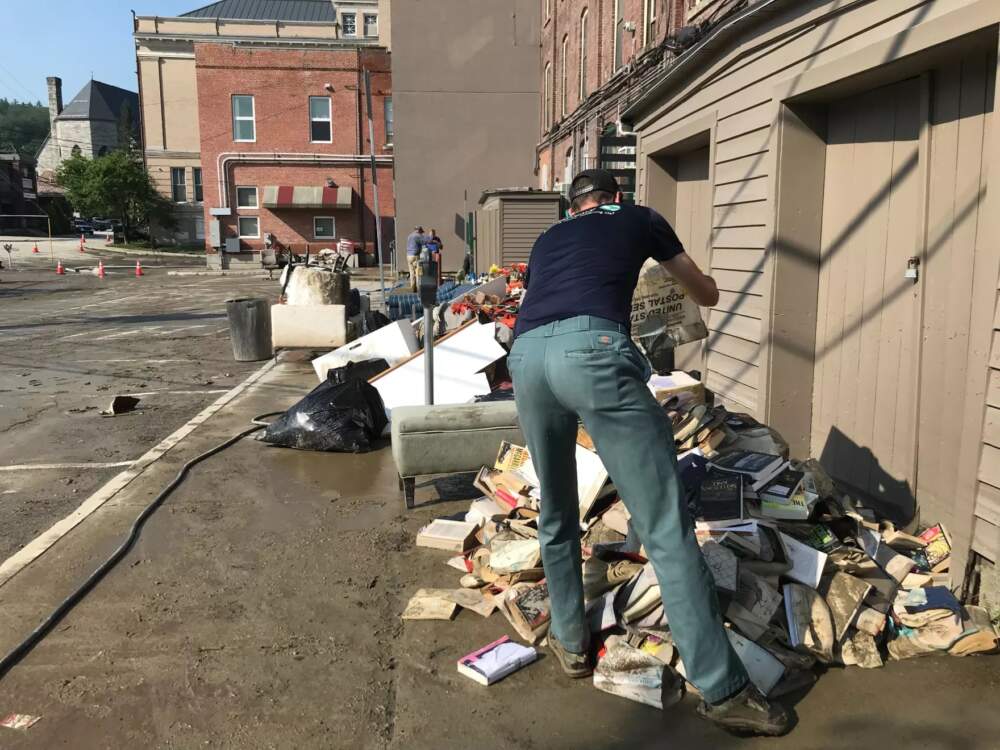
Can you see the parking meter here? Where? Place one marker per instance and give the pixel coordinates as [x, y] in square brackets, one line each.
[428, 298]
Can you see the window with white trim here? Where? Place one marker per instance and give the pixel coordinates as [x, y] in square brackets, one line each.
[619, 35]
[178, 187]
[199, 192]
[244, 124]
[583, 53]
[649, 32]
[246, 197]
[249, 227]
[324, 228]
[564, 83]
[349, 24]
[320, 119]
[371, 24]
[547, 99]
[389, 126]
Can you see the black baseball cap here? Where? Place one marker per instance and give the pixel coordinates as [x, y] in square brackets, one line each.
[591, 180]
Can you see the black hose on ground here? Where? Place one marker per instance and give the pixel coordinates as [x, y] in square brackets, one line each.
[67, 604]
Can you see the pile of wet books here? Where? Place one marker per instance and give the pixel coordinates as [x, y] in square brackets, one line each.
[804, 572]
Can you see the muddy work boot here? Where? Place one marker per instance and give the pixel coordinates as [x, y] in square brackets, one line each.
[574, 665]
[748, 712]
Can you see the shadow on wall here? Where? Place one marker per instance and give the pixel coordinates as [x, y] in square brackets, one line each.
[858, 471]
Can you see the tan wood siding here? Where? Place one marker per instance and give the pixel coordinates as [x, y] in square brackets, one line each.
[745, 121]
[743, 191]
[986, 539]
[737, 170]
[733, 346]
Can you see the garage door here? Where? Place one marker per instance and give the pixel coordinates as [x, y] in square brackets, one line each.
[865, 386]
[694, 228]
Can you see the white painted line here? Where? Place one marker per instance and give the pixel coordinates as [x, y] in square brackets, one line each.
[130, 332]
[147, 361]
[47, 467]
[35, 548]
[178, 330]
[174, 393]
[87, 333]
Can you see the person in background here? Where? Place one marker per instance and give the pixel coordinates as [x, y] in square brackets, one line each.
[435, 246]
[573, 358]
[414, 244]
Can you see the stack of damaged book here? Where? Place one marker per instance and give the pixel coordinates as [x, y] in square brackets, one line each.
[805, 574]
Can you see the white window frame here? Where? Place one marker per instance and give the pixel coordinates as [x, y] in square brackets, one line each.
[333, 219]
[649, 19]
[388, 120]
[343, 24]
[327, 119]
[547, 85]
[243, 118]
[256, 196]
[182, 184]
[239, 227]
[564, 81]
[584, 18]
[618, 53]
[364, 25]
[197, 183]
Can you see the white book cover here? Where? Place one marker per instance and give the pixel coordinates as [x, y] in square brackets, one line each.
[807, 562]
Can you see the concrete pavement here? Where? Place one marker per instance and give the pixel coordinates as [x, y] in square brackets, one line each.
[261, 610]
[67, 345]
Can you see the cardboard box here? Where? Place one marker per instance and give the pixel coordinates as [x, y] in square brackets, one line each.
[677, 383]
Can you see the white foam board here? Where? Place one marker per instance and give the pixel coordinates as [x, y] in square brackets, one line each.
[393, 343]
[458, 363]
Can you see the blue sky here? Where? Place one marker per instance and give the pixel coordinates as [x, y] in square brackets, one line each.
[72, 39]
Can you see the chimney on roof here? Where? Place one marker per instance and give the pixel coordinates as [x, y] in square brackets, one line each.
[55, 100]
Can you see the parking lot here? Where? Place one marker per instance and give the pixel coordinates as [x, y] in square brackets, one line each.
[69, 343]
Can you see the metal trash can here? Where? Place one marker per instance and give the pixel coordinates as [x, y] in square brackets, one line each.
[250, 328]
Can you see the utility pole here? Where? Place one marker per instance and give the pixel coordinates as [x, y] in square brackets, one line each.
[378, 215]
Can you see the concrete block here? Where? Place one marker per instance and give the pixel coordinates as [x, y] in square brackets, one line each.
[316, 326]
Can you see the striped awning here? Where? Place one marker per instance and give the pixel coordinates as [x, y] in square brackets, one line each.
[307, 196]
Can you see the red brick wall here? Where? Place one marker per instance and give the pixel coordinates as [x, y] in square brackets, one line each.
[565, 21]
[281, 82]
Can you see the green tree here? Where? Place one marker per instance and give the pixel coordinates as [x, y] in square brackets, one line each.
[23, 126]
[115, 186]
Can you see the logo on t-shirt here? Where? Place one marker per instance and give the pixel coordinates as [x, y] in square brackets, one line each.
[609, 208]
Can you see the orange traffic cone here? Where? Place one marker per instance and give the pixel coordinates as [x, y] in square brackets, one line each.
[100, 269]
[81, 243]
[35, 249]
[138, 268]
[59, 268]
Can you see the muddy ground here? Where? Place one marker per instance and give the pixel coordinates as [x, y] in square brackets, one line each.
[69, 343]
[261, 609]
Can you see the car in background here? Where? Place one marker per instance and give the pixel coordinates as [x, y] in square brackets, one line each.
[83, 226]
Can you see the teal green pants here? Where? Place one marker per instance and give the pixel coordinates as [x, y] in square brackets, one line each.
[587, 368]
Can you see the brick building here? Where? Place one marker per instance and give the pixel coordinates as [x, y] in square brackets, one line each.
[596, 57]
[283, 143]
[254, 121]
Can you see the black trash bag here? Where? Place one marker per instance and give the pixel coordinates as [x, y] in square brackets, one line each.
[357, 371]
[341, 417]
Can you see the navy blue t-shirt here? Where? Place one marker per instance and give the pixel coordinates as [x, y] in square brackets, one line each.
[589, 264]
